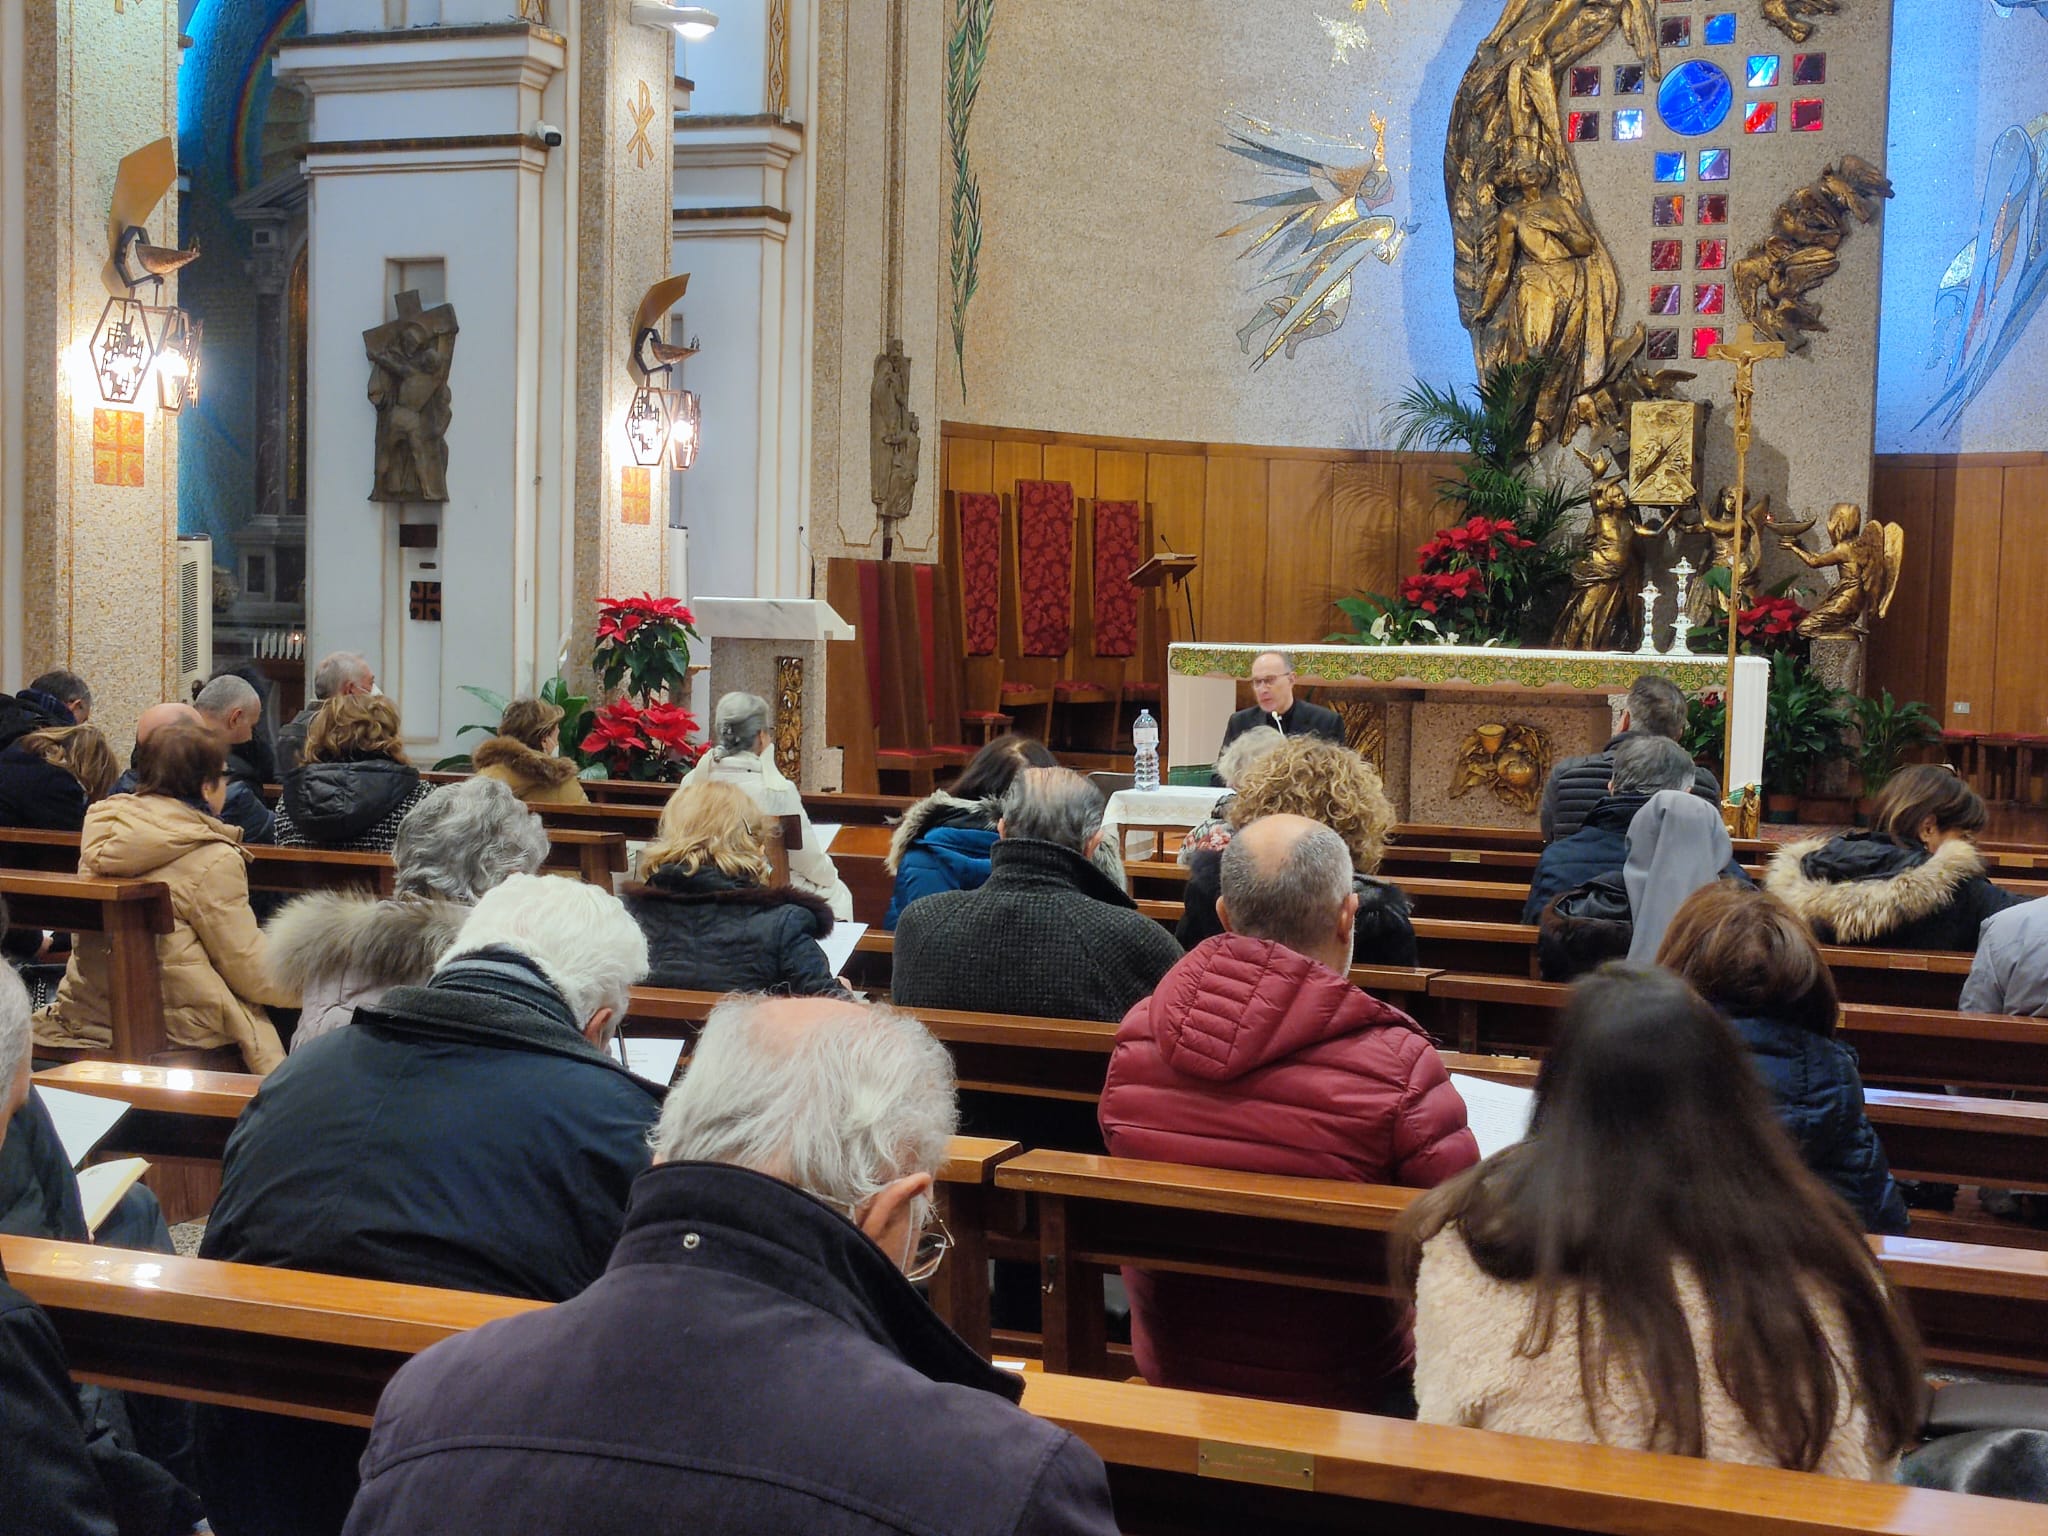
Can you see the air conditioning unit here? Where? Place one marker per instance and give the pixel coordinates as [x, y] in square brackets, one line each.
[195, 612]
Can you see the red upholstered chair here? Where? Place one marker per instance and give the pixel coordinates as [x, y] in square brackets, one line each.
[1040, 546]
[1109, 643]
[1961, 751]
[1998, 755]
[973, 553]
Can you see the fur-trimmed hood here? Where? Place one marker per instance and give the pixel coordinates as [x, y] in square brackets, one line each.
[516, 757]
[1859, 888]
[709, 886]
[332, 934]
[934, 811]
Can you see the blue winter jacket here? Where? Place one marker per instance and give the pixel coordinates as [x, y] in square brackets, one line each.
[1818, 1090]
[1599, 847]
[943, 859]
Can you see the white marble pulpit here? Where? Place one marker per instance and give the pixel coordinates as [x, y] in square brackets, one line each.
[1457, 730]
[775, 647]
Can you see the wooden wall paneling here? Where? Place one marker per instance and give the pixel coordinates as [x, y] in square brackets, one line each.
[1176, 485]
[1119, 475]
[1366, 552]
[849, 721]
[1901, 647]
[970, 464]
[2020, 686]
[1942, 510]
[1423, 509]
[1973, 585]
[1235, 550]
[949, 681]
[1075, 465]
[1298, 531]
[1013, 461]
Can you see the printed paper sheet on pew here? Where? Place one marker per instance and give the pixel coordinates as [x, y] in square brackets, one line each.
[1497, 1112]
[838, 945]
[655, 1060]
[81, 1119]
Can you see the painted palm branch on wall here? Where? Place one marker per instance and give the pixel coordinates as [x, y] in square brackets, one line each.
[966, 54]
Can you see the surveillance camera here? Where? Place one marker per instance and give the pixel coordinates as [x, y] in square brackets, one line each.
[548, 134]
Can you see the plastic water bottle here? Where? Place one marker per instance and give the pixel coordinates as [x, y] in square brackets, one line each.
[1145, 747]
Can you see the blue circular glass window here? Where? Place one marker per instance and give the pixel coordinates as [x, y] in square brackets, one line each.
[1695, 98]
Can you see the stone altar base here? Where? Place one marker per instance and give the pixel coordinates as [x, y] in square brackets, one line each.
[775, 647]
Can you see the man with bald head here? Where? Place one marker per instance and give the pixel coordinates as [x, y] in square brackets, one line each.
[1274, 704]
[241, 808]
[1257, 1053]
[754, 1358]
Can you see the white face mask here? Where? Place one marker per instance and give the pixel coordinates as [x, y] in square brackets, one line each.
[376, 692]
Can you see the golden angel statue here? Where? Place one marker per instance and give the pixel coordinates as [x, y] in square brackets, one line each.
[1867, 556]
[1609, 569]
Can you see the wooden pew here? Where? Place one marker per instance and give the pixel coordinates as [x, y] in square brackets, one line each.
[130, 914]
[322, 1347]
[1977, 1307]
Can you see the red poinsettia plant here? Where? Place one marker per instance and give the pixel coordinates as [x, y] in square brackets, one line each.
[644, 642]
[645, 743]
[1472, 577]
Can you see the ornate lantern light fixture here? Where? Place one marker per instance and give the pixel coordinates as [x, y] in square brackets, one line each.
[661, 422]
[647, 425]
[177, 361]
[124, 346]
[122, 350]
[683, 422]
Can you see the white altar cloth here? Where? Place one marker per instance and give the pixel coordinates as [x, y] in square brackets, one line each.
[1170, 805]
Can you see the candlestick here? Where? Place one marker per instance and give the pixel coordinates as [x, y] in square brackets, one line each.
[1681, 624]
[1649, 645]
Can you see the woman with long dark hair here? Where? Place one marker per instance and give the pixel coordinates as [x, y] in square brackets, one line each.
[943, 841]
[1653, 1267]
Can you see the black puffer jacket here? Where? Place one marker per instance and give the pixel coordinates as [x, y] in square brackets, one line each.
[1578, 784]
[1382, 933]
[1866, 890]
[711, 933]
[34, 793]
[354, 804]
[30, 710]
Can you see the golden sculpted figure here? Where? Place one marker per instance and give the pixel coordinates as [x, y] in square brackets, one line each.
[1704, 604]
[1867, 556]
[1609, 569]
[1774, 281]
[1532, 274]
[1513, 760]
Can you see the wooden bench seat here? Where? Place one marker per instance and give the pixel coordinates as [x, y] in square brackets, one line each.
[131, 915]
[322, 1347]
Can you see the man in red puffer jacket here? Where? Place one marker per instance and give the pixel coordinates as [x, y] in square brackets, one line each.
[1257, 1053]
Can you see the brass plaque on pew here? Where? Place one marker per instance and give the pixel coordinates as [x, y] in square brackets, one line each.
[1909, 963]
[1263, 1464]
[1464, 858]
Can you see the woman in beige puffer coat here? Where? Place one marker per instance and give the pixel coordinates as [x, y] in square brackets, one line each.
[215, 983]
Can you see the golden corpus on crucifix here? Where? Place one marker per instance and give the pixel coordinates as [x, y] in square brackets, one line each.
[1745, 352]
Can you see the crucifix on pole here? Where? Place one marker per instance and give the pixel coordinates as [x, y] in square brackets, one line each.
[1745, 352]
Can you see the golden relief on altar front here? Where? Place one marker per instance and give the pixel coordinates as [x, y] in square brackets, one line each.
[1512, 760]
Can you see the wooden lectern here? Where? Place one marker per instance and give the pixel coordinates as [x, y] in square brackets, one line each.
[1169, 570]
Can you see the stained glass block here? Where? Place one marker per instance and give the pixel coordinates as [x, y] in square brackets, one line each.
[1695, 98]
[1663, 298]
[1675, 32]
[1704, 339]
[1720, 29]
[1809, 115]
[1628, 79]
[1763, 71]
[1713, 208]
[1710, 255]
[1670, 165]
[1809, 69]
[1667, 210]
[1663, 345]
[1582, 127]
[1707, 298]
[1713, 165]
[1628, 123]
[1667, 255]
[1586, 81]
[1760, 117]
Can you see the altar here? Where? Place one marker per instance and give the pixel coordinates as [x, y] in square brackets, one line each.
[1462, 735]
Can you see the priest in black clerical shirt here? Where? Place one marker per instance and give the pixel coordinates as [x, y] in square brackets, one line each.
[1273, 687]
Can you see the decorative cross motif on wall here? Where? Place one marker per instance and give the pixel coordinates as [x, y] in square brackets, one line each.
[640, 146]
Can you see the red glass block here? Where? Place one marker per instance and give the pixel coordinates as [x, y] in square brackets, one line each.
[1713, 208]
[1663, 345]
[1668, 209]
[1704, 339]
[1663, 298]
[1710, 255]
[1809, 115]
[1708, 298]
[1667, 255]
[1762, 117]
[1809, 69]
[1582, 127]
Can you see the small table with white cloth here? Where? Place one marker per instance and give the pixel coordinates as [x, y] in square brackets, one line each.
[1135, 817]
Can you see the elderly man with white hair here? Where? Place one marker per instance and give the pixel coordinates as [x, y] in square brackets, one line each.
[755, 1358]
[741, 755]
[472, 1133]
[338, 674]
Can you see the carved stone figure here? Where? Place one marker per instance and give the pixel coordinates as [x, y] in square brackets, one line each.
[410, 360]
[1867, 556]
[893, 440]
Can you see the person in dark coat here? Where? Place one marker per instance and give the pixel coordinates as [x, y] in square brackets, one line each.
[1340, 789]
[1643, 766]
[339, 674]
[1747, 954]
[354, 785]
[1913, 881]
[944, 841]
[242, 808]
[68, 1462]
[754, 1358]
[50, 778]
[1655, 708]
[32, 710]
[1257, 1053]
[712, 922]
[472, 1134]
[1276, 705]
[1048, 933]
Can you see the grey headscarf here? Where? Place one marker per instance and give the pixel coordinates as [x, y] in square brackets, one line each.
[1676, 844]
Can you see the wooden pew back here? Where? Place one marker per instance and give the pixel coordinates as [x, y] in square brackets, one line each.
[129, 915]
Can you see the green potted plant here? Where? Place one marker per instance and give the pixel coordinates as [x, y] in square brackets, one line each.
[1886, 730]
[1805, 725]
[577, 718]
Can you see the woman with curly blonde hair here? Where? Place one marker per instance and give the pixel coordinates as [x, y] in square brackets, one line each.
[1307, 776]
[353, 784]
